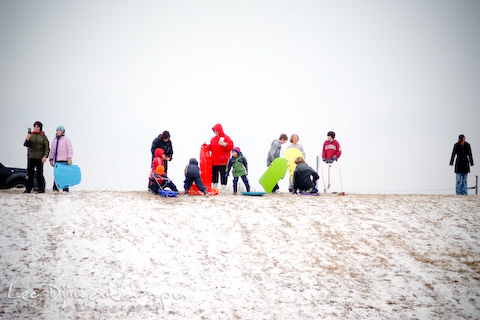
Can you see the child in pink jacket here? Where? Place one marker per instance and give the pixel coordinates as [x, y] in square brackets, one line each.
[61, 151]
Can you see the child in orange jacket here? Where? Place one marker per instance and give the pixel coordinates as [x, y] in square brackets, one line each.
[159, 180]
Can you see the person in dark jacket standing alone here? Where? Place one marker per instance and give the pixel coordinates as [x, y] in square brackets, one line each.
[462, 150]
[38, 151]
[163, 141]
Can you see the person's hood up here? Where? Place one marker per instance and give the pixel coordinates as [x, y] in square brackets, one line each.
[159, 152]
[194, 161]
[219, 129]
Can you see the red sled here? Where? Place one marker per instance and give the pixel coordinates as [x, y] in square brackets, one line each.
[193, 191]
[205, 173]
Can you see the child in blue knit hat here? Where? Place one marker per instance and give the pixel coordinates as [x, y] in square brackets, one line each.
[240, 169]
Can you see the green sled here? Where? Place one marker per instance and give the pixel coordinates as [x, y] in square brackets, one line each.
[275, 172]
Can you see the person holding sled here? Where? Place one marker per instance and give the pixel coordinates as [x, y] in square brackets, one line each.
[192, 174]
[304, 177]
[463, 152]
[220, 145]
[274, 152]
[240, 169]
[61, 151]
[331, 148]
[294, 143]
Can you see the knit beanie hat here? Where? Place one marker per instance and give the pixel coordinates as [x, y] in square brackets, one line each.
[160, 170]
[61, 128]
[237, 150]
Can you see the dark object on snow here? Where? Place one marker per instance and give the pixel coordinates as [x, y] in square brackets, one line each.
[14, 177]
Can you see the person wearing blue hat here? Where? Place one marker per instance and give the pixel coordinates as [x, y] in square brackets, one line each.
[240, 169]
[61, 151]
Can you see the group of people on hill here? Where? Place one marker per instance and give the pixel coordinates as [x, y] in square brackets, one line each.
[304, 177]
[225, 157]
[39, 150]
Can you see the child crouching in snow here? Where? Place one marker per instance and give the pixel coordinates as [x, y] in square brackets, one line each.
[304, 177]
[159, 180]
[192, 174]
[240, 169]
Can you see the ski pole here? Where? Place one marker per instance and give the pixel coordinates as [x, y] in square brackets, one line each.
[329, 165]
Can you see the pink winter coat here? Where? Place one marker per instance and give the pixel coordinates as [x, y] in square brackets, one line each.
[65, 149]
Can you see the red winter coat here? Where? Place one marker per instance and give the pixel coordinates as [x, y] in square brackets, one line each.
[158, 158]
[331, 149]
[157, 161]
[220, 154]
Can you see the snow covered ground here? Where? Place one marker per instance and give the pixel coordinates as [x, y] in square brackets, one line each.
[130, 254]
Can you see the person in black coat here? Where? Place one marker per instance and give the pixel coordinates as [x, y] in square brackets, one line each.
[192, 174]
[163, 141]
[463, 152]
[304, 177]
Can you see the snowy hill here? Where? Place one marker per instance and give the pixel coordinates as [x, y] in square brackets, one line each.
[126, 254]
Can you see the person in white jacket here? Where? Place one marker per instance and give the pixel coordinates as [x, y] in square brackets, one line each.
[61, 151]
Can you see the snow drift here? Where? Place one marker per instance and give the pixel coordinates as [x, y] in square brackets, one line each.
[126, 254]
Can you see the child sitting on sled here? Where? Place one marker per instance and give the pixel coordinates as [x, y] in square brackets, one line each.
[240, 169]
[304, 177]
[159, 180]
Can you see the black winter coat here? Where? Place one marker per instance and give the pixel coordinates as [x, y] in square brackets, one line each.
[192, 170]
[464, 157]
[166, 146]
[304, 177]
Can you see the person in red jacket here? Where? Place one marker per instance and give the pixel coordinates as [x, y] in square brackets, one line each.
[220, 146]
[331, 148]
[159, 180]
[159, 158]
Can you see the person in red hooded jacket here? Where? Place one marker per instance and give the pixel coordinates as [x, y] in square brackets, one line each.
[220, 145]
[159, 159]
[158, 173]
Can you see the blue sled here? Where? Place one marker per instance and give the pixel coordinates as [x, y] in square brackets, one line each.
[253, 193]
[168, 193]
[66, 176]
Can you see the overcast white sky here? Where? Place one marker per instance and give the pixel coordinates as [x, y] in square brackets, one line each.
[398, 81]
